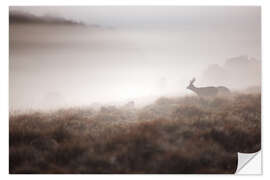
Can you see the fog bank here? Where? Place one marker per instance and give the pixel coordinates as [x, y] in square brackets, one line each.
[134, 57]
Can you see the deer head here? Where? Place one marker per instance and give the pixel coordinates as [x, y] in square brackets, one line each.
[191, 86]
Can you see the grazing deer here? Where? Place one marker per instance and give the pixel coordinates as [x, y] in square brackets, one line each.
[209, 91]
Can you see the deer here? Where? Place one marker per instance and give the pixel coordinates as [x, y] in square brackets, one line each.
[209, 91]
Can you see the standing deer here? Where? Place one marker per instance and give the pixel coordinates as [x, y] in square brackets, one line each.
[209, 91]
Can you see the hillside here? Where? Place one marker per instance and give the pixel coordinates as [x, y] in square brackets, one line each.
[238, 72]
[172, 135]
[27, 18]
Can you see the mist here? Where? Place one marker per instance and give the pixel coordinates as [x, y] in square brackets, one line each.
[100, 56]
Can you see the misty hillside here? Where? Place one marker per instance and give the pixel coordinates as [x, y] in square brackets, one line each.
[172, 135]
[237, 72]
[17, 17]
[143, 55]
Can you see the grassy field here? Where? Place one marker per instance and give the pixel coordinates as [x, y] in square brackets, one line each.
[172, 135]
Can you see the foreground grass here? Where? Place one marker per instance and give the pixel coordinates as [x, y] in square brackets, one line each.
[173, 135]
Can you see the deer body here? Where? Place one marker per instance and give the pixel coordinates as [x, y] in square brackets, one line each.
[209, 91]
[223, 90]
[205, 91]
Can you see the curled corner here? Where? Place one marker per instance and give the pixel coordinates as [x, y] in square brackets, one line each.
[249, 163]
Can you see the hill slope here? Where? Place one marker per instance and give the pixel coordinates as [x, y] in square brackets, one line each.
[173, 135]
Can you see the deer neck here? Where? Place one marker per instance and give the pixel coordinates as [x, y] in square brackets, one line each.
[194, 89]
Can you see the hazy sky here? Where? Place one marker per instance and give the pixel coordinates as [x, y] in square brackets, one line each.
[135, 51]
[235, 18]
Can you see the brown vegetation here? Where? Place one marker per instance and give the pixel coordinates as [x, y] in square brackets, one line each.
[173, 135]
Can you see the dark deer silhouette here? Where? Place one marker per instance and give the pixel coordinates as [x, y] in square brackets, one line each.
[209, 91]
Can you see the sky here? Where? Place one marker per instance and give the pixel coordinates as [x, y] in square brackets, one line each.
[125, 52]
[236, 17]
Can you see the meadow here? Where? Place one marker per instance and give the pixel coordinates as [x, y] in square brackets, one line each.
[179, 135]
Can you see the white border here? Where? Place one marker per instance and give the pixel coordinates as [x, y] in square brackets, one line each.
[4, 77]
[137, 2]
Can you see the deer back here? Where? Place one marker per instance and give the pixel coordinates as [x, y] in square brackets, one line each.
[206, 91]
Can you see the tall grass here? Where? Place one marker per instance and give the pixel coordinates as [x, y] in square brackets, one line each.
[172, 135]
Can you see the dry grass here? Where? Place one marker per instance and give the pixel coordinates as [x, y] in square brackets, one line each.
[173, 135]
